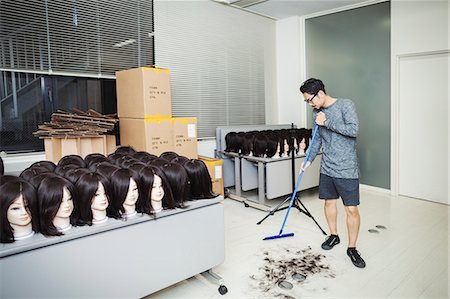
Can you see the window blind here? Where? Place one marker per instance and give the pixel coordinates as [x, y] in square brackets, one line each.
[217, 58]
[78, 37]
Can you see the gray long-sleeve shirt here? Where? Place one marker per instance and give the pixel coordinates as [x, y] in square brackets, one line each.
[338, 140]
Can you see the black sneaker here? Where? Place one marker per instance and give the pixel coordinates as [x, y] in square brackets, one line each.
[356, 258]
[330, 242]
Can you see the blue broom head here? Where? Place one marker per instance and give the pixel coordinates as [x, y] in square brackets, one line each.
[279, 236]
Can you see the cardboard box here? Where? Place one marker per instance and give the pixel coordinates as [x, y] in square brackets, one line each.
[153, 135]
[143, 92]
[56, 147]
[185, 136]
[215, 169]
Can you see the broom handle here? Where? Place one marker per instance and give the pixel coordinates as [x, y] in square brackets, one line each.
[299, 179]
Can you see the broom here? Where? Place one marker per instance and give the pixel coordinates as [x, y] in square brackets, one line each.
[281, 235]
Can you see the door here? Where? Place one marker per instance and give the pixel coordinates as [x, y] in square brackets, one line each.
[423, 126]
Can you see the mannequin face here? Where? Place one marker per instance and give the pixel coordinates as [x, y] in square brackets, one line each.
[157, 189]
[133, 193]
[286, 146]
[100, 201]
[66, 206]
[302, 144]
[18, 214]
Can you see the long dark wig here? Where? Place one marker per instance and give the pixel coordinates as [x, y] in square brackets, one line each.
[147, 178]
[120, 182]
[179, 183]
[50, 195]
[199, 179]
[87, 186]
[10, 191]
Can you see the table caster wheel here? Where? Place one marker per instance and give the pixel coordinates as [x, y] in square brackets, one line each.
[223, 290]
[246, 205]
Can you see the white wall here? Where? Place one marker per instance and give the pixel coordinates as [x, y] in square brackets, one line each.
[289, 43]
[416, 27]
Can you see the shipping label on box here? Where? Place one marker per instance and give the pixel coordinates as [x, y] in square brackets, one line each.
[143, 92]
[185, 136]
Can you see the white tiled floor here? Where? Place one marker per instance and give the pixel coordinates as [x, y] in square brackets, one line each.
[409, 259]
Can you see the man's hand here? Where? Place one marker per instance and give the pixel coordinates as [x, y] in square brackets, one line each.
[321, 118]
[304, 166]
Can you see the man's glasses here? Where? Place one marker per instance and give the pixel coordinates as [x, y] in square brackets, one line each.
[312, 98]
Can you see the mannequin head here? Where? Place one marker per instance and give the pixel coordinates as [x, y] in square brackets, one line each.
[93, 198]
[94, 158]
[199, 178]
[106, 169]
[159, 162]
[62, 169]
[233, 142]
[74, 174]
[168, 155]
[57, 202]
[153, 190]
[144, 156]
[18, 211]
[247, 146]
[46, 164]
[259, 145]
[271, 144]
[36, 180]
[30, 172]
[72, 159]
[125, 193]
[180, 160]
[125, 150]
[179, 183]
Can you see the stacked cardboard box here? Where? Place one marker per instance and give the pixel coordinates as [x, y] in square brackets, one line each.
[144, 106]
[215, 170]
[56, 147]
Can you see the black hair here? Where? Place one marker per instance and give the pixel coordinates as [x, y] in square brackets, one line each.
[106, 169]
[10, 191]
[120, 182]
[87, 186]
[30, 172]
[125, 150]
[94, 158]
[9, 178]
[178, 181]
[259, 145]
[46, 164]
[247, 144]
[144, 156]
[2, 167]
[159, 162]
[312, 86]
[168, 155]
[199, 178]
[74, 174]
[147, 178]
[62, 169]
[50, 194]
[72, 159]
[180, 160]
[36, 180]
[272, 142]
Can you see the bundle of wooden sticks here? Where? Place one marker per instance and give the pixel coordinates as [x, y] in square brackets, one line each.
[79, 123]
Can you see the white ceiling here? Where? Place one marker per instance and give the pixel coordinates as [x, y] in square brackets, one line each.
[280, 9]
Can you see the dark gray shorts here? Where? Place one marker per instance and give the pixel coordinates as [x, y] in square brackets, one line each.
[333, 188]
